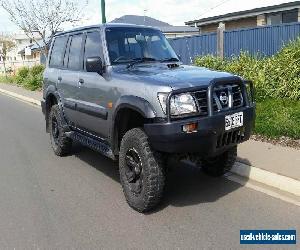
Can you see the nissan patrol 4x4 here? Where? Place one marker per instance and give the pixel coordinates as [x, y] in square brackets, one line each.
[122, 91]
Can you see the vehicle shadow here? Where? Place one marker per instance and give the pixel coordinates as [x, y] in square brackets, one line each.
[186, 185]
[97, 161]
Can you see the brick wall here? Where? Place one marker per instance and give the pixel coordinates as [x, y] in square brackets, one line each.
[261, 20]
[231, 25]
[241, 23]
[209, 28]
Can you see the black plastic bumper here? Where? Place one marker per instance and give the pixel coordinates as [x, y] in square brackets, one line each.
[169, 137]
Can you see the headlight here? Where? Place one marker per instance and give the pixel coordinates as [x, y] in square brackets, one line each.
[180, 104]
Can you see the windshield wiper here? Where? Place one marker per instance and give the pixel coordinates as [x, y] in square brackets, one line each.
[140, 60]
[172, 59]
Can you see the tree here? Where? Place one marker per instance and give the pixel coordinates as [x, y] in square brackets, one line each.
[6, 44]
[42, 17]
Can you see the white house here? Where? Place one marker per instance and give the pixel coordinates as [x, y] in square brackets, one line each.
[21, 54]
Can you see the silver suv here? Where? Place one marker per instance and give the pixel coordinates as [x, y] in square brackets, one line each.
[122, 91]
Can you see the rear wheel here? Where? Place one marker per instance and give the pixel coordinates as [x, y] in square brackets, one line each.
[219, 165]
[60, 143]
[141, 171]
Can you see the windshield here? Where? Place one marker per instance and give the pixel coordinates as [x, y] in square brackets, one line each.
[126, 45]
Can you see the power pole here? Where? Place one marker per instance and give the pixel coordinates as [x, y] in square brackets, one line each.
[103, 11]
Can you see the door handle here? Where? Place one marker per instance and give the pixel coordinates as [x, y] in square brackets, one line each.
[80, 82]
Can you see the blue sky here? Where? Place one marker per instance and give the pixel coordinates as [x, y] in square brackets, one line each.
[175, 12]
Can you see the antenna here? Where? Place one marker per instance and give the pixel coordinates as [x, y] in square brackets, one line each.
[145, 10]
[213, 7]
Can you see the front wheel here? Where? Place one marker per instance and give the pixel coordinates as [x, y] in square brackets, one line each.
[141, 171]
[219, 165]
[60, 143]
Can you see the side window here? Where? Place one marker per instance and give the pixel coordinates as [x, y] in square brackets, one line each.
[66, 57]
[58, 49]
[75, 52]
[93, 46]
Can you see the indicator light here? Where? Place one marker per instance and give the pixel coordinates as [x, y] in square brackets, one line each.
[110, 105]
[190, 128]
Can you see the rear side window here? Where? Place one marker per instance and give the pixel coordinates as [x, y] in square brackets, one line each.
[58, 50]
[93, 46]
[75, 62]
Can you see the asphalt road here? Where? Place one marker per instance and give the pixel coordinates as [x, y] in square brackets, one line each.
[48, 202]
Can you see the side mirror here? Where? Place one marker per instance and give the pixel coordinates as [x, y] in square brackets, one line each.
[94, 64]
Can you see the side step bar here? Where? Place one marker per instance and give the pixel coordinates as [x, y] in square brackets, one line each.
[92, 143]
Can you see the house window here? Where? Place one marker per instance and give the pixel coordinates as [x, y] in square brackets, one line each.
[282, 17]
[290, 17]
[274, 19]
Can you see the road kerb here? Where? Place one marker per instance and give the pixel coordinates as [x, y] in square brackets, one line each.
[281, 182]
[21, 97]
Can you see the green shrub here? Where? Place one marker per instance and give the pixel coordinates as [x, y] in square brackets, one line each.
[276, 77]
[37, 70]
[33, 82]
[22, 74]
[211, 62]
[30, 78]
[35, 78]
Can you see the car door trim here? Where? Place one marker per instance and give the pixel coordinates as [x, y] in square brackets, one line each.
[95, 111]
[70, 104]
[86, 108]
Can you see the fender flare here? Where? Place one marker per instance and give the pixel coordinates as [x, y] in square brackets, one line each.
[51, 90]
[135, 103]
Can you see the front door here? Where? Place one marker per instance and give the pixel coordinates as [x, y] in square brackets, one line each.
[93, 90]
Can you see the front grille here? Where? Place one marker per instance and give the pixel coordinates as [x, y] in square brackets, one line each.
[225, 97]
[231, 137]
[201, 97]
[237, 96]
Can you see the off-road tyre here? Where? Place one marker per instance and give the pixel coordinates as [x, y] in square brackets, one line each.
[143, 192]
[220, 165]
[60, 143]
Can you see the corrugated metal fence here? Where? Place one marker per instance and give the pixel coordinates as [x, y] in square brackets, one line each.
[190, 47]
[260, 40]
[263, 40]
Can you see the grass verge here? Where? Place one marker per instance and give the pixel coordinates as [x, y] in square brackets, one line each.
[278, 117]
[29, 78]
[8, 79]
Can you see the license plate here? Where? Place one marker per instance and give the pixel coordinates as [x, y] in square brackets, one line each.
[234, 121]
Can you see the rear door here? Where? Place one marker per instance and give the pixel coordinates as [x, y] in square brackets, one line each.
[53, 76]
[69, 77]
[94, 89]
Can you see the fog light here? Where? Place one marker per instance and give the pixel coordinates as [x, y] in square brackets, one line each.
[190, 128]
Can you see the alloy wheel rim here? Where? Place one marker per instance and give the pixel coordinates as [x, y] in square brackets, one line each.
[134, 170]
[55, 130]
